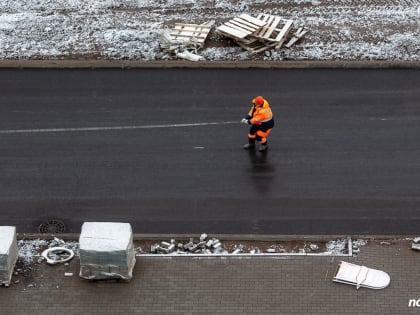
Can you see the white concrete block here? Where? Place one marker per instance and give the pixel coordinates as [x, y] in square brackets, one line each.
[8, 253]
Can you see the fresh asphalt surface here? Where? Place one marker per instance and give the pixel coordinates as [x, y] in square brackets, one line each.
[343, 157]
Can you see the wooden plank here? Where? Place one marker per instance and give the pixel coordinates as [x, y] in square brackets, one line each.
[246, 23]
[256, 46]
[194, 25]
[301, 32]
[239, 25]
[238, 28]
[252, 47]
[197, 37]
[252, 20]
[189, 29]
[296, 36]
[263, 48]
[192, 39]
[188, 33]
[249, 40]
[285, 31]
[231, 32]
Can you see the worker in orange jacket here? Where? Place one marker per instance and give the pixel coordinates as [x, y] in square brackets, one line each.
[261, 119]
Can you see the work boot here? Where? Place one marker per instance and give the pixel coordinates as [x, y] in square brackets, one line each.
[263, 147]
[250, 144]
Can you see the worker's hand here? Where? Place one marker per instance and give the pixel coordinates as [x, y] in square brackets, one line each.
[245, 121]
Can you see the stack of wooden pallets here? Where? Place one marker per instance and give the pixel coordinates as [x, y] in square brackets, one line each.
[257, 34]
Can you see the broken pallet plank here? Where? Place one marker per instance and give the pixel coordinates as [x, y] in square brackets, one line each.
[296, 36]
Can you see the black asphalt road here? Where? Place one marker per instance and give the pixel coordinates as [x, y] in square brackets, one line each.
[344, 155]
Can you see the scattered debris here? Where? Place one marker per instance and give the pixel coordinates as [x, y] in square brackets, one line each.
[189, 56]
[338, 246]
[313, 246]
[68, 274]
[57, 255]
[214, 246]
[355, 246]
[416, 243]
[361, 276]
[203, 246]
[31, 250]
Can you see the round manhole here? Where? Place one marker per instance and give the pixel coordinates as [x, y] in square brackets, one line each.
[52, 227]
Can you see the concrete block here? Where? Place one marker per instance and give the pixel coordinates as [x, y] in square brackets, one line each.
[8, 253]
[106, 251]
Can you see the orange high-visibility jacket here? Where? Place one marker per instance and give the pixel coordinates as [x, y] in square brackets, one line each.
[259, 115]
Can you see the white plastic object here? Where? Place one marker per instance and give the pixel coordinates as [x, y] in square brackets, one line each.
[361, 276]
[52, 250]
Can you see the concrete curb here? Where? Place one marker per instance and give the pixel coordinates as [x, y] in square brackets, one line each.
[227, 237]
[130, 64]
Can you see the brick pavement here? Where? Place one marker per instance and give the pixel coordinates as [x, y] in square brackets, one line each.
[223, 285]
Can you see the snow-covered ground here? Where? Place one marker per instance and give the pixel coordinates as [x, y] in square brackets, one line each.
[128, 29]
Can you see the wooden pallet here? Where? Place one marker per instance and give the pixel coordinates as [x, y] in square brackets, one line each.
[258, 34]
[240, 27]
[275, 30]
[191, 33]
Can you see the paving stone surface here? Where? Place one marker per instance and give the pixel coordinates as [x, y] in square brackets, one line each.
[223, 285]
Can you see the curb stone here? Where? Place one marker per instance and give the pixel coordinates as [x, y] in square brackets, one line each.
[227, 237]
[126, 64]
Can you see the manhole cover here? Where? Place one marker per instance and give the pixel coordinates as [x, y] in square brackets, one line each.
[52, 227]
